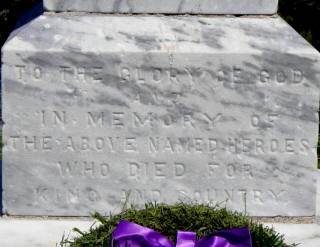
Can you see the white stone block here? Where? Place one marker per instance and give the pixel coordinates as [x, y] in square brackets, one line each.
[194, 109]
[305, 235]
[166, 6]
[21, 232]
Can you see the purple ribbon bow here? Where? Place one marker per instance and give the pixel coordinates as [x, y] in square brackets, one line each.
[128, 234]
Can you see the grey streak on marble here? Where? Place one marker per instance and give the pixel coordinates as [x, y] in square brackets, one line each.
[165, 6]
[173, 67]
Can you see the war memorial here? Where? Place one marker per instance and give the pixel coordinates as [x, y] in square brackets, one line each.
[208, 101]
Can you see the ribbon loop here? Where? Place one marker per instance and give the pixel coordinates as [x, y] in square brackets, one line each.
[128, 234]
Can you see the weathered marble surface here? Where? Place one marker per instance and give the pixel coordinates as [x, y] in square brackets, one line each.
[165, 6]
[213, 110]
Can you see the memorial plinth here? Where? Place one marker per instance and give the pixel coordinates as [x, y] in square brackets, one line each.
[165, 6]
[101, 109]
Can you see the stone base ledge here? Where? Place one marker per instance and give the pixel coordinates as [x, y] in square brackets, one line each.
[18, 232]
[49, 232]
[306, 235]
[166, 6]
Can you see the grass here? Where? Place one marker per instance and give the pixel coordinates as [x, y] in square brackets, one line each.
[168, 220]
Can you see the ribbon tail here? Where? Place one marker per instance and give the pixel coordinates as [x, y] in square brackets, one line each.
[238, 237]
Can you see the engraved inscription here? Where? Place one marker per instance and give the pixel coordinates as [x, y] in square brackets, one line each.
[69, 169]
[156, 170]
[160, 145]
[188, 75]
[152, 119]
[267, 121]
[208, 132]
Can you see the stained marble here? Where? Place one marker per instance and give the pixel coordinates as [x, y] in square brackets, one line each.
[99, 110]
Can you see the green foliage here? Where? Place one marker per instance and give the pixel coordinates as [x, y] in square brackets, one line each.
[169, 219]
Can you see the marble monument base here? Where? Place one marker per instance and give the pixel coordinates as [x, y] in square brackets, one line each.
[21, 232]
[164, 108]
